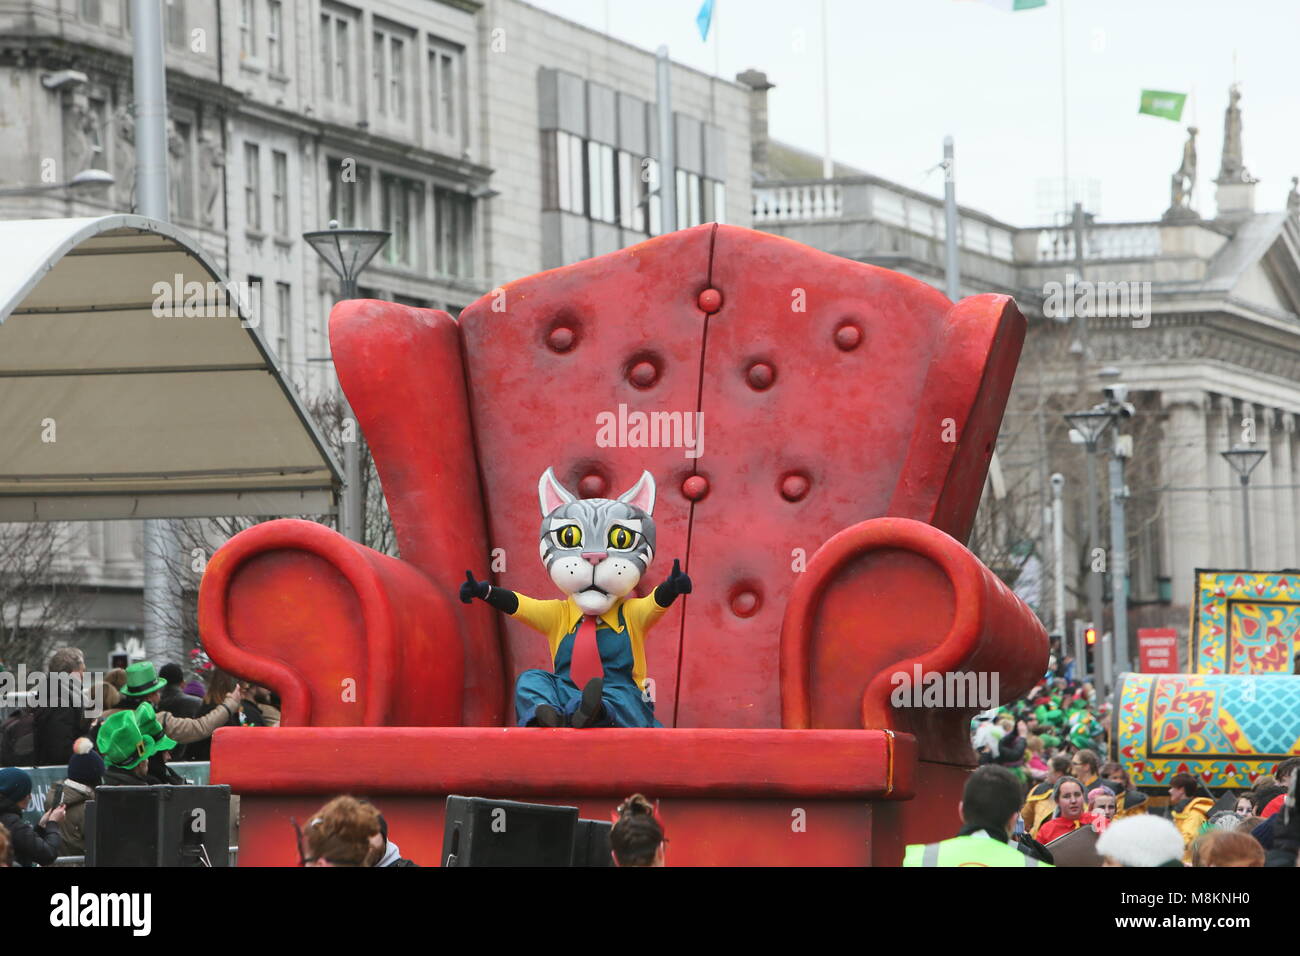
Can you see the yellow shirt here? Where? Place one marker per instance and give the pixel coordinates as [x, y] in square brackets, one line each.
[557, 619]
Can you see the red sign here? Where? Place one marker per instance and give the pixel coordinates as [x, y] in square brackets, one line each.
[1157, 650]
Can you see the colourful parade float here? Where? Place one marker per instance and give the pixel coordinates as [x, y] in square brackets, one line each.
[1237, 713]
[844, 417]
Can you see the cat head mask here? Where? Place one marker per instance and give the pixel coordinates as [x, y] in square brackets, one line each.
[597, 549]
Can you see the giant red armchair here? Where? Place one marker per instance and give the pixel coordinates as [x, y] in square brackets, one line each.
[849, 414]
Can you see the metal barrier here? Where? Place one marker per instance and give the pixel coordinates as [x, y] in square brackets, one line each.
[194, 771]
[81, 860]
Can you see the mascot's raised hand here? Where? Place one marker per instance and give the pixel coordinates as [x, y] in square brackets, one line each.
[596, 550]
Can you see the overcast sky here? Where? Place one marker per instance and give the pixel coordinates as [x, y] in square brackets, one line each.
[906, 72]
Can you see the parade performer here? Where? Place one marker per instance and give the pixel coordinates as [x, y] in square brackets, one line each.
[596, 551]
[1189, 808]
[1070, 813]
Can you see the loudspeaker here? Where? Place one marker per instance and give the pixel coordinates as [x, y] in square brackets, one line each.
[481, 832]
[158, 826]
[591, 843]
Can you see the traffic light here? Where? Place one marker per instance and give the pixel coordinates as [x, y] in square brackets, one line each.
[1089, 644]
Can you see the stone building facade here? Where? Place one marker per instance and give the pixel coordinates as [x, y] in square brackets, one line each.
[492, 139]
[1214, 361]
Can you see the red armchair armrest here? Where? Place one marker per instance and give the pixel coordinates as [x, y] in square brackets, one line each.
[347, 636]
[892, 598]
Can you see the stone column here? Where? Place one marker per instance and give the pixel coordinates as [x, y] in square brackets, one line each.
[1186, 465]
[1288, 556]
[119, 551]
[1223, 503]
[1264, 497]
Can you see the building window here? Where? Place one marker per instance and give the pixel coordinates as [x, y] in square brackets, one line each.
[91, 12]
[253, 305]
[653, 201]
[600, 183]
[180, 166]
[280, 192]
[403, 211]
[569, 174]
[444, 90]
[453, 234]
[633, 191]
[174, 16]
[275, 36]
[715, 201]
[336, 55]
[349, 195]
[247, 29]
[283, 322]
[388, 69]
[252, 186]
[688, 199]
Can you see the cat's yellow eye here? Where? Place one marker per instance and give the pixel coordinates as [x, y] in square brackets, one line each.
[570, 536]
[620, 538]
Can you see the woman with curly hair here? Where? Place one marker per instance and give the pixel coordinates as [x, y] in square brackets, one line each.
[637, 838]
[344, 832]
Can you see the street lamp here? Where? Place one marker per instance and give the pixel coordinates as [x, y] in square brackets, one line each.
[347, 252]
[1090, 426]
[87, 177]
[1243, 459]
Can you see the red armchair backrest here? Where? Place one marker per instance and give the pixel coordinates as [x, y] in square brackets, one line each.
[830, 392]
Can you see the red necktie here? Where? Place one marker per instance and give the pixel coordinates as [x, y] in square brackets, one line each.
[585, 663]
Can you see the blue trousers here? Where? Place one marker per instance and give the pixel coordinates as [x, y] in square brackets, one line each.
[625, 705]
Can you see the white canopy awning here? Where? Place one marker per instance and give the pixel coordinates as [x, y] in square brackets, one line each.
[115, 404]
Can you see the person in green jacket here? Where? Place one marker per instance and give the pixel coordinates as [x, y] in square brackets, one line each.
[989, 806]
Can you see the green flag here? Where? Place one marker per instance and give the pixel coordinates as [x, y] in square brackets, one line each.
[1160, 103]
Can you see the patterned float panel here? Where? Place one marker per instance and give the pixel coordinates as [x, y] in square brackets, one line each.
[1245, 622]
[1226, 729]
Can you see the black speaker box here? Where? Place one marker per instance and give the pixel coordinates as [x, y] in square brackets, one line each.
[591, 843]
[481, 832]
[158, 826]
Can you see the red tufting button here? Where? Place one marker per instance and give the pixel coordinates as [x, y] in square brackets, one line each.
[744, 603]
[643, 374]
[794, 487]
[761, 376]
[695, 487]
[848, 336]
[561, 338]
[592, 486]
[710, 300]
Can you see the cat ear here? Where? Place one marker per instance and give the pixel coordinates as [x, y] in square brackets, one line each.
[551, 493]
[642, 494]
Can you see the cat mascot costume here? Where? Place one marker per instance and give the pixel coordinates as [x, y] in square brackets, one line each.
[596, 551]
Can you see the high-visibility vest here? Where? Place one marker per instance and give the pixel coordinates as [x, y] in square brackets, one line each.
[968, 851]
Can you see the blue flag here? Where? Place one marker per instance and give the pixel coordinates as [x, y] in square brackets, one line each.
[704, 19]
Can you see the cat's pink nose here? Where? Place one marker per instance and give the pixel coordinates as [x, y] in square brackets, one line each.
[594, 557]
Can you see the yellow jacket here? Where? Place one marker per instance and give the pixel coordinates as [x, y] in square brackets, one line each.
[1189, 821]
[1038, 808]
[1125, 809]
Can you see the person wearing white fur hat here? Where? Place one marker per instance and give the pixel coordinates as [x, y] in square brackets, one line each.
[1143, 840]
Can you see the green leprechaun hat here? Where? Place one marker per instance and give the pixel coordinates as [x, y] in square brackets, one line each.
[142, 680]
[121, 743]
[146, 718]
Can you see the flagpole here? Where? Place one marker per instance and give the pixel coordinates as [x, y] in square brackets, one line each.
[1065, 121]
[717, 39]
[828, 165]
